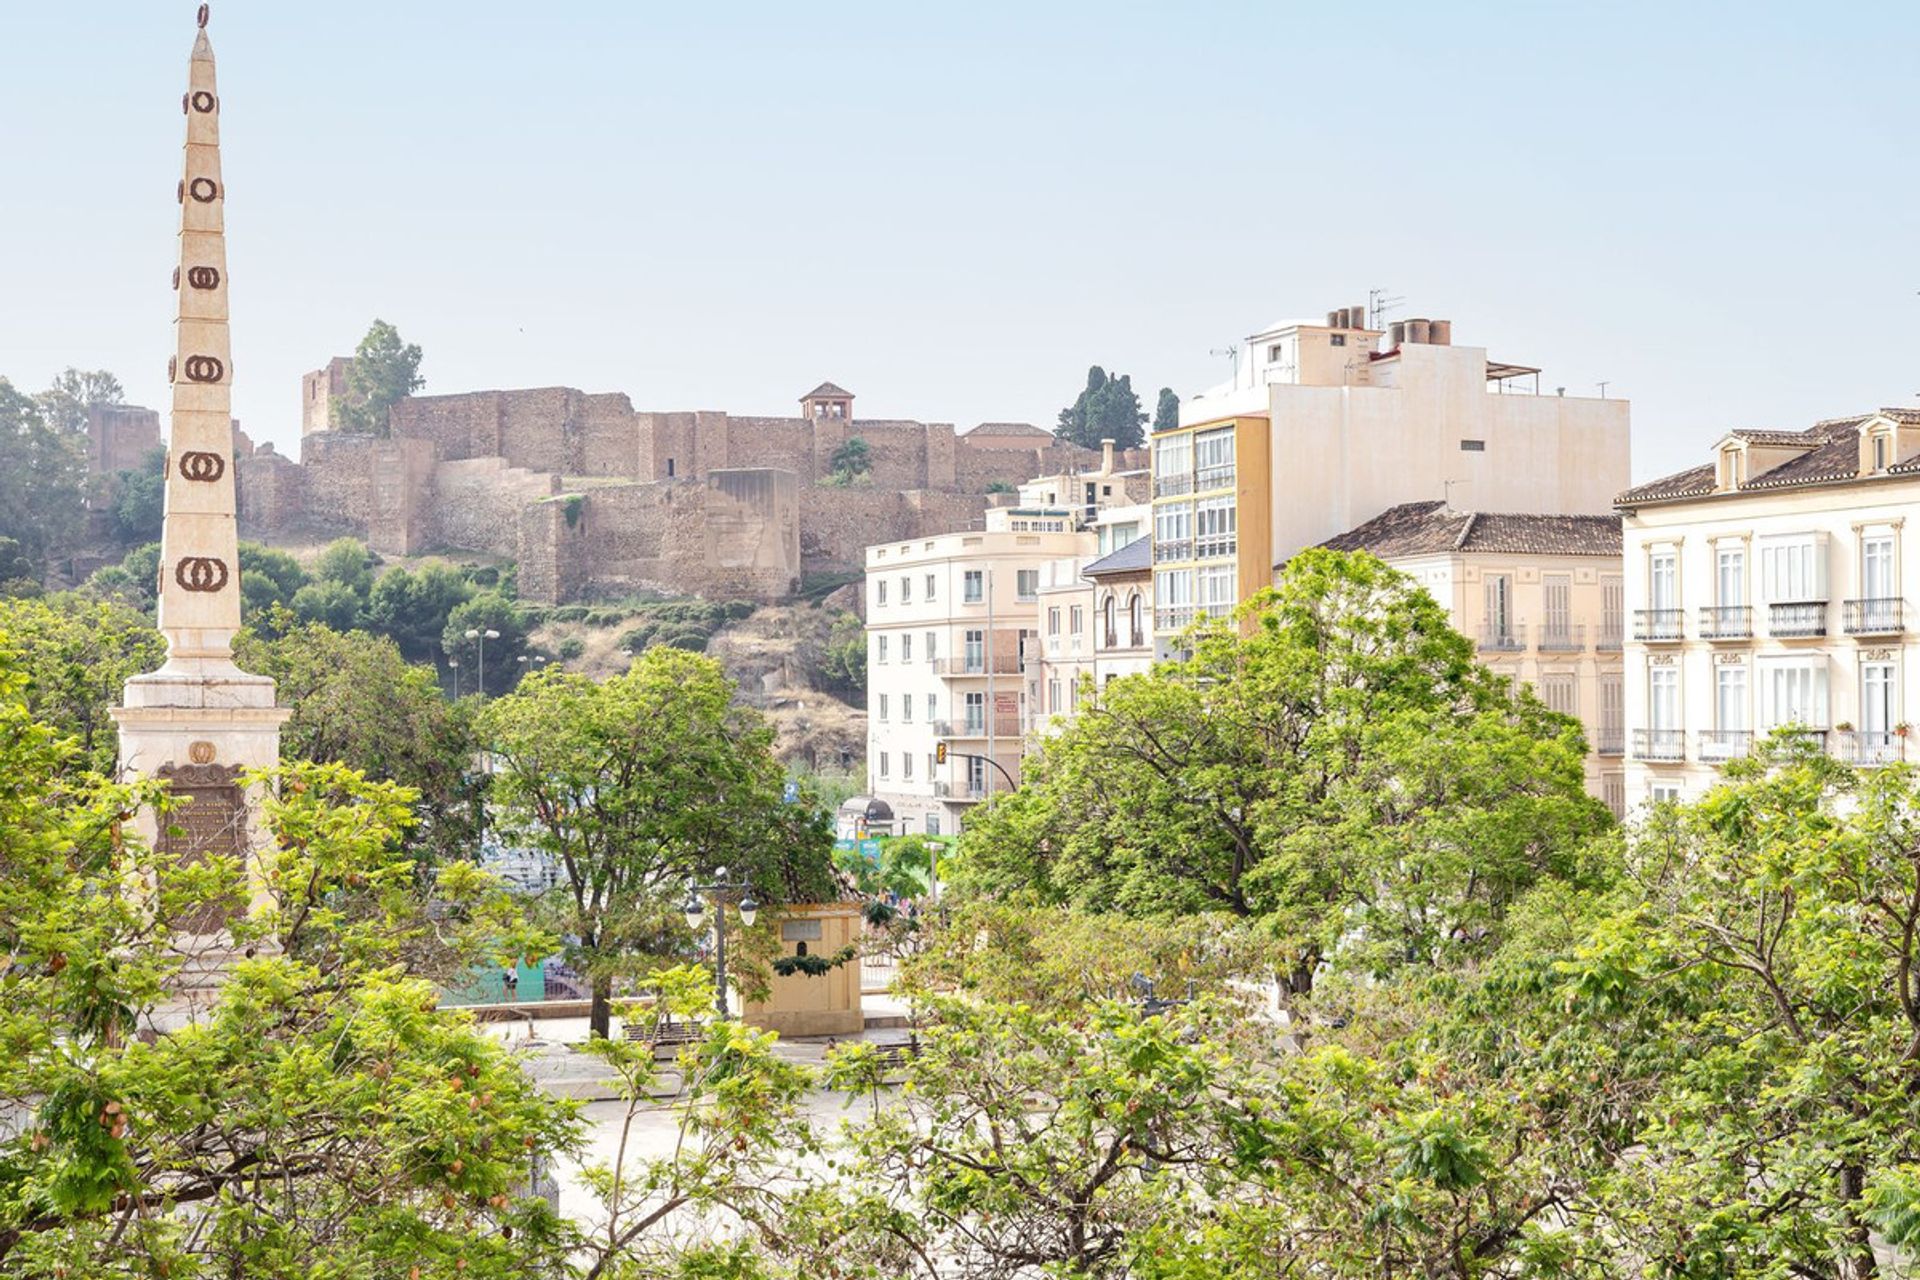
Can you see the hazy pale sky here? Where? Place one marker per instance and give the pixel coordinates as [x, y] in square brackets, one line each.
[954, 209]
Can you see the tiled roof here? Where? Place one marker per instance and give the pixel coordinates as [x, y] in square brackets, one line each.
[828, 391]
[1429, 528]
[1135, 557]
[1829, 453]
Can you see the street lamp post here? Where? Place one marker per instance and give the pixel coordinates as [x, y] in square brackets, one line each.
[480, 683]
[696, 910]
[453, 665]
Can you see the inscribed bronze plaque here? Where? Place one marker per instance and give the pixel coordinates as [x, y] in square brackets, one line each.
[211, 821]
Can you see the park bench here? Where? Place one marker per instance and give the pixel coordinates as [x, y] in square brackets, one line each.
[670, 1036]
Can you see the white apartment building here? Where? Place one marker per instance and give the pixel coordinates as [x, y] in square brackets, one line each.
[1325, 426]
[1542, 599]
[951, 633]
[1094, 618]
[1770, 589]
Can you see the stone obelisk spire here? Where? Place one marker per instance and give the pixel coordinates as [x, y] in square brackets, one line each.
[199, 547]
[199, 721]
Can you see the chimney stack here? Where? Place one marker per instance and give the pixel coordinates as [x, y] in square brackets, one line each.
[1106, 455]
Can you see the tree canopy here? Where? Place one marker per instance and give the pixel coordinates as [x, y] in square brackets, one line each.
[1166, 410]
[43, 471]
[385, 371]
[1107, 409]
[636, 787]
[1332, 762]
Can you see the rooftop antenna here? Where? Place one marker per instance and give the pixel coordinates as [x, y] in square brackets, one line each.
[1446, 492]
[1232, 353]
[1603, 389]
[1378, 305]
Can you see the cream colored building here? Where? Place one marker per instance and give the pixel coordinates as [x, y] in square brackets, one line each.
[951, 635]
[1325, 426]
[1540, 596]
[1770, 588]
[1093, 618]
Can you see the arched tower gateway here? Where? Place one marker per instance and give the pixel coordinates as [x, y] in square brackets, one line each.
[199, 721]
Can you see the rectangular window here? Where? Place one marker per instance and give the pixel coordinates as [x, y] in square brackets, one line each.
[933, 645]
[1073, 697]
[1216, 521]
[879, 591]
[1053, 619]
[1053, 696]
[1026, 583]
[906, 591]
[1613, 793]
[1730, 577]
[1498, 590]
[1557, 588]
[1876, 567]
[883, 706]
[1076, 620]
[932, 580]
[906, 765]
[880, 649]
[1664, 793]
[933, 764]
[933, 821]
[906, 708]
[1613, 608]
[1215, 588]
[1793, 570]
[931, 714]
[1663, 699]
[1730, 699]
[1336, 339]
[1473, 446]
[1879, 453]
[1173, 465]
[1213, 458]
[1613, 708]
[976, 776]
[1663, 579]
[973, 586]
[1560, 693]
[976, 713]
[906, 647]
[1794, 693]
[1173, 531]
[1172, 599]
[883, 764]
[1879, 709]
[976, 652]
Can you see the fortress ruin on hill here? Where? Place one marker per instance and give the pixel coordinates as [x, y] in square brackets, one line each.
[591, 497]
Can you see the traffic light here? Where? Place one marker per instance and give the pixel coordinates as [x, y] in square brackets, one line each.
[940, 753]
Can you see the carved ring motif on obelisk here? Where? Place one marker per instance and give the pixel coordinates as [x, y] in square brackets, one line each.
[173, 368]
[200, 573]
[197, 464]
[203, 190]
[203, 277]
[205, 369]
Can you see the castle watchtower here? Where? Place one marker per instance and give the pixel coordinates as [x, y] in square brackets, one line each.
[829, 410]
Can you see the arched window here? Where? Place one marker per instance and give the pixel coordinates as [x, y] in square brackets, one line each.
[1110, 637]
[1134, 623]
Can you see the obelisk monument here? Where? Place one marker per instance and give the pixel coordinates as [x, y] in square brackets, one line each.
[199, 720]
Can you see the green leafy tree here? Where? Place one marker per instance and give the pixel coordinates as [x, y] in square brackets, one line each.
[412, 607]
[43, 471]
[638, 786]
[843, 659]
[134, 582]
[330, 603]
[348, 562]
[488, 611]
[75, 654]
[17, 574]
[385, 371]
[851, 463]
[1108, 409]
[269, 580]
[73, 392]
[1333, 762]
[140, 499]
[1166, 411]
[356, 701]
[320, 1113]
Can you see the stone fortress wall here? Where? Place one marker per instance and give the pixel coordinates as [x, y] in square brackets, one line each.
[592, 497]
